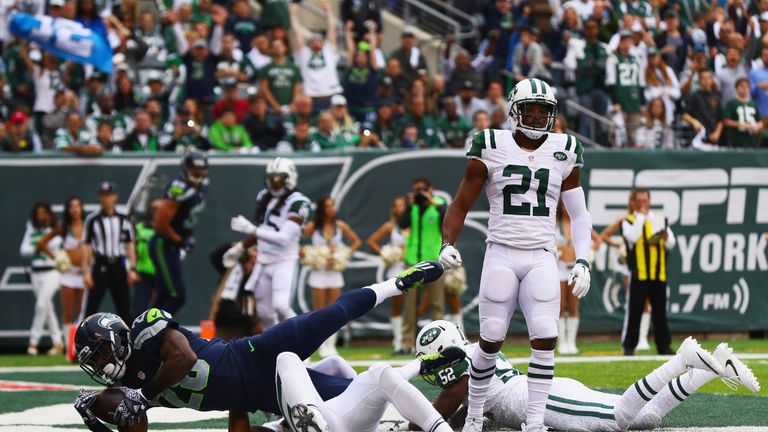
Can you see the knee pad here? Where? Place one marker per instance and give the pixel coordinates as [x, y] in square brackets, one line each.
[542, 327]
[493, 329]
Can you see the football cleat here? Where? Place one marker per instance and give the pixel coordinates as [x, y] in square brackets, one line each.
[307, 418]
[418, 275]
[734, 369]
[694, 356]
[473, 424]
[433, 363]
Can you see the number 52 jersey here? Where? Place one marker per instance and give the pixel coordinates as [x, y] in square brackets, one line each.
[523, 186]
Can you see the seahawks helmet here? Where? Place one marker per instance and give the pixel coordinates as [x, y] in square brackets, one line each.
[194, 159]
[525, 94]
[102, 347]
[286, 170]
[437, 336]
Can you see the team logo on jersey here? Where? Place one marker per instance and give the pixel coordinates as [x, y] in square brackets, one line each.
[560, 156]
[429, 336]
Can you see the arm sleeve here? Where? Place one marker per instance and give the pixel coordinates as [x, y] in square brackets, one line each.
[290, 232]
[27, 249]
[581, 222]
[633, 231]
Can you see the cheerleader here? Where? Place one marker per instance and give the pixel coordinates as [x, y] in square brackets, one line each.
[326, 283]
[392, 255]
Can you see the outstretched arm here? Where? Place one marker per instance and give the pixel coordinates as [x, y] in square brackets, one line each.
[178, 359]
[474, 179]
[449, 400]
[296, 28]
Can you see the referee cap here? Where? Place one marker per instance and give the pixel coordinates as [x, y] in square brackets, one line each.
[107, 187]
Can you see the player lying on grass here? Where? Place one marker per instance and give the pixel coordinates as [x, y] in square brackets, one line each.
[159, 363]
[573, 406]
[361, 406]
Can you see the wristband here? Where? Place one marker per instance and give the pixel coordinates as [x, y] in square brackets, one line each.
[583, 262]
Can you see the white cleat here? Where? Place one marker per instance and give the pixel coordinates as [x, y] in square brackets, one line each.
[734, 369]
[307, 418]
[473, 424]
[534, 428]
[693, 355]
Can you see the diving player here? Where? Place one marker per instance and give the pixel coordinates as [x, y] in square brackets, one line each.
[175, 218]
[573, 406]
[158, 362]
[281, 213]
[525, 172]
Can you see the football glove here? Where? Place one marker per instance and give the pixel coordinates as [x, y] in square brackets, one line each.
[241, 224]
[449, 256]
[132, 408]
[232, 255]
[83, 403]
[580, 278]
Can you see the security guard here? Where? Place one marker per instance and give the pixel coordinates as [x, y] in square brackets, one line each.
[647, 250]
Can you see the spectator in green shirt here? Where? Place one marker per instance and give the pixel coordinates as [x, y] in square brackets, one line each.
[227, 135]
[742, 118]
[452, 126]
[416, 116]
[325, 137]
[274, 14]
[280, 80]
[590, 82]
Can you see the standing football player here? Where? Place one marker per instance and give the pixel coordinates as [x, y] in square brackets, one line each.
[281, 212]
[175, 218]
[525, 171]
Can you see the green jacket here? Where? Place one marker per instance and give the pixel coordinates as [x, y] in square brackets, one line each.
[425, 239]
[229, 139]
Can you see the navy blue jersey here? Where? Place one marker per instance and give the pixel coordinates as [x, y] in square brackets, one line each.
[236, 375]
[191, 203]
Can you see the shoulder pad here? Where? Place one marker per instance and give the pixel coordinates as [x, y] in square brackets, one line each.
[482, 140]
[573, 145]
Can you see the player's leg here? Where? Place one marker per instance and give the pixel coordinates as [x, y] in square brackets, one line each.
[572, 326]
[540, 301]
[283, 276]
[572, 406]
[301, 405]
[335, 366]
[497, 301]
[690, 354]
[562, 323]
[261, 281]
[304, 334]
[171, 287]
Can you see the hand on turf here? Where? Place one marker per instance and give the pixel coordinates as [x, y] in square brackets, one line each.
[580, 279]
[132, 408]
[242, 224]
[449, 256]
[83, 403]
[232, 255]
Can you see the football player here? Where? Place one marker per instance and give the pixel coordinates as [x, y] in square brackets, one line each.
[571, 405]
[281, 212]
[175, 218]
[158, 362]
[525, 172]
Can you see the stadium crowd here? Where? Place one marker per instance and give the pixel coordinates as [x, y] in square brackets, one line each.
[217, 76]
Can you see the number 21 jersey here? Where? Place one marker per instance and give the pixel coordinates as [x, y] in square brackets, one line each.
[523, 186]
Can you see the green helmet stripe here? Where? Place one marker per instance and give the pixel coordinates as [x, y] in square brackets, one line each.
[543, 87]
[493, 138]
[534, 87]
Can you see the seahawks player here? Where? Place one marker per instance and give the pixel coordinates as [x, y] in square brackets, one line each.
[281, 213]
[525, 172]
[158, 362]
[175, 218]
[573, 406]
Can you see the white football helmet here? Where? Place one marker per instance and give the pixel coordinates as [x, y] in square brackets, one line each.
[285, 167]
[531, 91]
[438, 335]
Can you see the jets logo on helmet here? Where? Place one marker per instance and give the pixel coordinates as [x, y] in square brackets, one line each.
[437, 336]
[281, 175]
[526, 95]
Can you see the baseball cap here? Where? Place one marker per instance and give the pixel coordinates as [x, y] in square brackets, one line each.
[155, 76]
[18, 117]
[467, 85]
[407, 32]
[363, 46]
[670, 13]
[58, 3]
[199, 43]
[107, 187]
[338, 100]
[699, 48]
[653, 51]
[698, 37]
[316, 35]
[764, 16]
[625, 34]
[229, 82]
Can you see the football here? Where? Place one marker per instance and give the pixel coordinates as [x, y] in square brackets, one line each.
[106, 403]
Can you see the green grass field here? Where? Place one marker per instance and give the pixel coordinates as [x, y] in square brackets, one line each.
[713, 406]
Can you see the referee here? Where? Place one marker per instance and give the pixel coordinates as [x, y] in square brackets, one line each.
[647, 250]
[109, 255]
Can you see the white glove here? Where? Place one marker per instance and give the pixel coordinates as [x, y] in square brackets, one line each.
[449, 257]
[232, 255]
[242, 224]
[580, 278]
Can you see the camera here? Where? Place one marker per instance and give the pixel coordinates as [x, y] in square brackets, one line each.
[420, 197]
[190, 123]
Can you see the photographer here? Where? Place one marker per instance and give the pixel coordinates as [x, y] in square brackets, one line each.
[423, 217]
[187, 133]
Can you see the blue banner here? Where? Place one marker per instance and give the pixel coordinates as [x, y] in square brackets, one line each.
[65, 38]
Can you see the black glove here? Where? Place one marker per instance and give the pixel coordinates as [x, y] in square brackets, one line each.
[83, 403]
[132, 408]
[187, 244]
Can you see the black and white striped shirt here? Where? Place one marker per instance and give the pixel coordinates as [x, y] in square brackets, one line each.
[107, 235]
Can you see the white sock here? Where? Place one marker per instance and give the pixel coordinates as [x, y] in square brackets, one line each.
[481, 372]
[410, 402]
[385, 290]
[675, 392]
[397, 332]
[642, 391]
[562, 341]
[335, 366]
[541, 370]
[573, 331]
[645, 326]
[410, 370]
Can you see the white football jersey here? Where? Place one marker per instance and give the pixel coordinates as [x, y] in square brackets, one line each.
[523, 186]
[297, 204]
